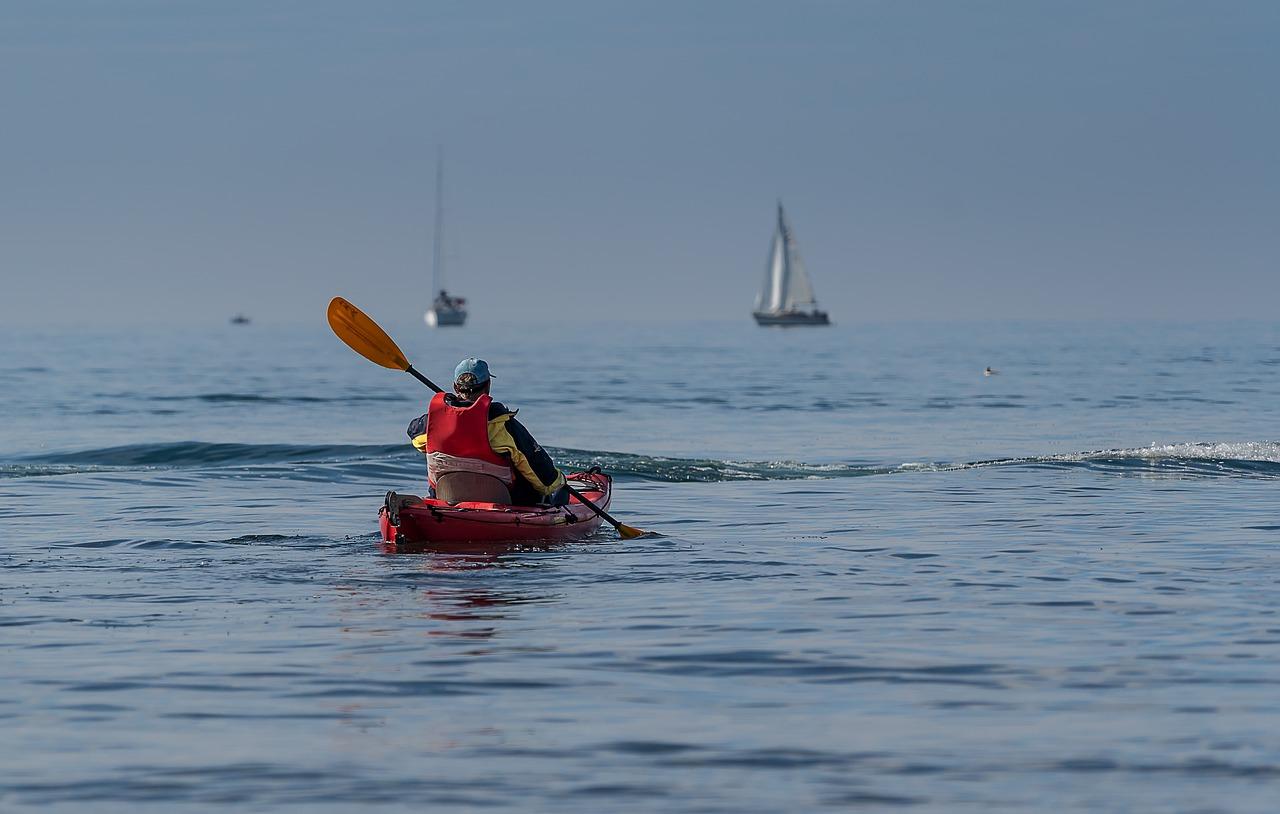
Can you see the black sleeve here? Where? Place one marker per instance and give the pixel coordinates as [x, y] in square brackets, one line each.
[539, 460]
[417, 426]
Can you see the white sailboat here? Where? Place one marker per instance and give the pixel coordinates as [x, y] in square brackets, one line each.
[786, 298]
[445, 310]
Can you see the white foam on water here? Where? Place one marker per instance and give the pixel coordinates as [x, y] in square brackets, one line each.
[1221, 451]
[1266, 451]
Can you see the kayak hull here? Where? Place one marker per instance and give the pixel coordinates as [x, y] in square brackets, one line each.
[434, 522]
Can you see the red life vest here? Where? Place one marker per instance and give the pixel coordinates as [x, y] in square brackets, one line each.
[458, 440]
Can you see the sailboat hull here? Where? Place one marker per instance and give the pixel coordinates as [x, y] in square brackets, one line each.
[791, 319]
[445, 317]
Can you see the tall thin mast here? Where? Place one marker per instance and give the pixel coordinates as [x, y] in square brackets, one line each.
[437, 256]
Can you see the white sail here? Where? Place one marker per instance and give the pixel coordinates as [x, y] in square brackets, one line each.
[773, 292]
[799, 291]
[786, 283]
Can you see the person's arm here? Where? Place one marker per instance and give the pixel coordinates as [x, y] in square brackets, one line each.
[417, 433]
[507, 436]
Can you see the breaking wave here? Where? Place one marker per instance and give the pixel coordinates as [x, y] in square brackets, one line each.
[1245, 459]
[197, 453]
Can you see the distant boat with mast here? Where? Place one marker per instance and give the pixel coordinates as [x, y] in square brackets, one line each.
[786, 298]
[445, 310]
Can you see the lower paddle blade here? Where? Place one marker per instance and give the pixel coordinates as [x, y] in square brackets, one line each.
[629, 532]
[364, 336]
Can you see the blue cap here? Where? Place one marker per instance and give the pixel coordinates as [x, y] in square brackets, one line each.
[478, 368]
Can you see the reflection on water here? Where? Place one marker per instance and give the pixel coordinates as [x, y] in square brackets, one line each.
[470, 606]
[456, 590]
[461, 555]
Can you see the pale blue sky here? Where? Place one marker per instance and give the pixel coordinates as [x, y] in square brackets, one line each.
[973, 160]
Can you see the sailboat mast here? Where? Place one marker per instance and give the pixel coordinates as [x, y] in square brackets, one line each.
[437, 256]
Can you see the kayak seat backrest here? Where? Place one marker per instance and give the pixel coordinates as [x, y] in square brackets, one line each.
[471, 487]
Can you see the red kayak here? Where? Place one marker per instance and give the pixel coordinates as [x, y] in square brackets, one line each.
[435, 521]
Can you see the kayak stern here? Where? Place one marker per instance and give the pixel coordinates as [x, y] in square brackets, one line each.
[435, 521]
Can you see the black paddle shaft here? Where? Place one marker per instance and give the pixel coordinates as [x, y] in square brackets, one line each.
[593, 507]
[415, 374]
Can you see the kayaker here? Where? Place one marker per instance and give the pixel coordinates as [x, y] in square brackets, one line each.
[476, 450]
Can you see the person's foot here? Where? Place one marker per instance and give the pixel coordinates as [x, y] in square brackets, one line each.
[391, 505]
[394, 502]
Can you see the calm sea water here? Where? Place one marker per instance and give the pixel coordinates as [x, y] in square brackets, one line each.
[878, 580]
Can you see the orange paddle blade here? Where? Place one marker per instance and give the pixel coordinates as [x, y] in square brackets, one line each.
[364, 336]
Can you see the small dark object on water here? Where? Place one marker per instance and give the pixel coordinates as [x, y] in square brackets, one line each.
[239, 319]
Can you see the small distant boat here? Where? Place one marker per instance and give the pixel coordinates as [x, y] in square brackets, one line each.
[445, 310]
[786, 299]
[239, 319]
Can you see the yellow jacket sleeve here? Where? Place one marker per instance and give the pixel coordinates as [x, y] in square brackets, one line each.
[540, 473]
